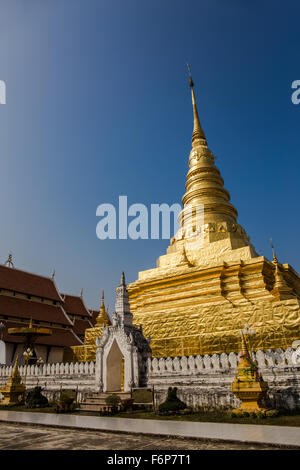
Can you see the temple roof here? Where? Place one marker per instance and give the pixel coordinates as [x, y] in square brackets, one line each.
[74, 305]
[28, 283]
[94, 314]
[22, 308]
[81, 325]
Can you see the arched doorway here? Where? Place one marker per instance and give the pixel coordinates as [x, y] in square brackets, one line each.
[115, 369]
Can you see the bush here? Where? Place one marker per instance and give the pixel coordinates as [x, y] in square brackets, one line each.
[272, 413]
[35, 399]
[127, 404]
[65, 402]
[172, 402]
[113, 401]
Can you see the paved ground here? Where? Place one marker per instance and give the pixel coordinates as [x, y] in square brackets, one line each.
[24, 437]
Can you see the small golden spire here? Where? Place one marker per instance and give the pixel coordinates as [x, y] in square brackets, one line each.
[244, 345]
[275, 260]
[103, 317]
[30, 323]
[198, 137]
[15, 371]
[280, 284]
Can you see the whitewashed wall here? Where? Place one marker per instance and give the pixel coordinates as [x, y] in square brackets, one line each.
[52, 378]
[205, 381]
[202, 381]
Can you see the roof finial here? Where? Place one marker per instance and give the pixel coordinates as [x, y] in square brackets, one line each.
[9, 262]
[191, 81]
[81, 293]
[275, 260]
[102, 297]
[122, 279]
[53, 274]
[198, 137]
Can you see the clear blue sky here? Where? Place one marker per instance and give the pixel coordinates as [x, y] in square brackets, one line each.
[98, 106]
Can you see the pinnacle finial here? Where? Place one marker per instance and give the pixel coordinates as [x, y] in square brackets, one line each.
[15, 371]
[53, 274]
[275, 260]
[9, 262]
[244, 345]
[198, 137]
[122, 279]
[191, 81]
[81, 293]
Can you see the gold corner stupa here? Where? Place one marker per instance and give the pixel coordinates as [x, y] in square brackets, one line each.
[211, 280]
[14, 391]
[248, 385]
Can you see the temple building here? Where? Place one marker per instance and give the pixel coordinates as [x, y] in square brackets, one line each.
[26, 297]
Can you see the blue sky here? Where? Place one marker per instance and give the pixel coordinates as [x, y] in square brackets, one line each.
[98, 106]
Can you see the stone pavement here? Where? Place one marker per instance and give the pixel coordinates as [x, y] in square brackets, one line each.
[240, 433]
[25, 437]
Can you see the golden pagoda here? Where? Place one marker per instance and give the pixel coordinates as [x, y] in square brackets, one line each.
[248, 385]
[87, 352]
[211, 280]
[14, 390]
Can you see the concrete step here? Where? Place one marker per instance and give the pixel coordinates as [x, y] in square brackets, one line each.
[90, 407]
[96, 401]
[103, 396]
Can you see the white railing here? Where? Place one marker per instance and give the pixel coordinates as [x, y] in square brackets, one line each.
[190, 365]
[58, 369]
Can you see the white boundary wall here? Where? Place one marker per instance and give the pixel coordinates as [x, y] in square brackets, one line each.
[202, 381]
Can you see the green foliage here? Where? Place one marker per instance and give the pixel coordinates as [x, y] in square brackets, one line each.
[272, 413]
[65, 402]
[113, 400]
[67, 397]
[127, 404]
[172, 402]
[35, 399]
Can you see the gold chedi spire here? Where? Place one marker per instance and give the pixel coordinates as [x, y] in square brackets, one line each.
[102, 318]
[198, 137]
[208, 219]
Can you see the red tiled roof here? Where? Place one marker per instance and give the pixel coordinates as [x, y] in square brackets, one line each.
[28, 283]
[59, 337]
[22, 308]
[74, 305]
[81, 325]
[95, 314]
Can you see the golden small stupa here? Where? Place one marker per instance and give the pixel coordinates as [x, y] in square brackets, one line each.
[248, 384]
[14, 390]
